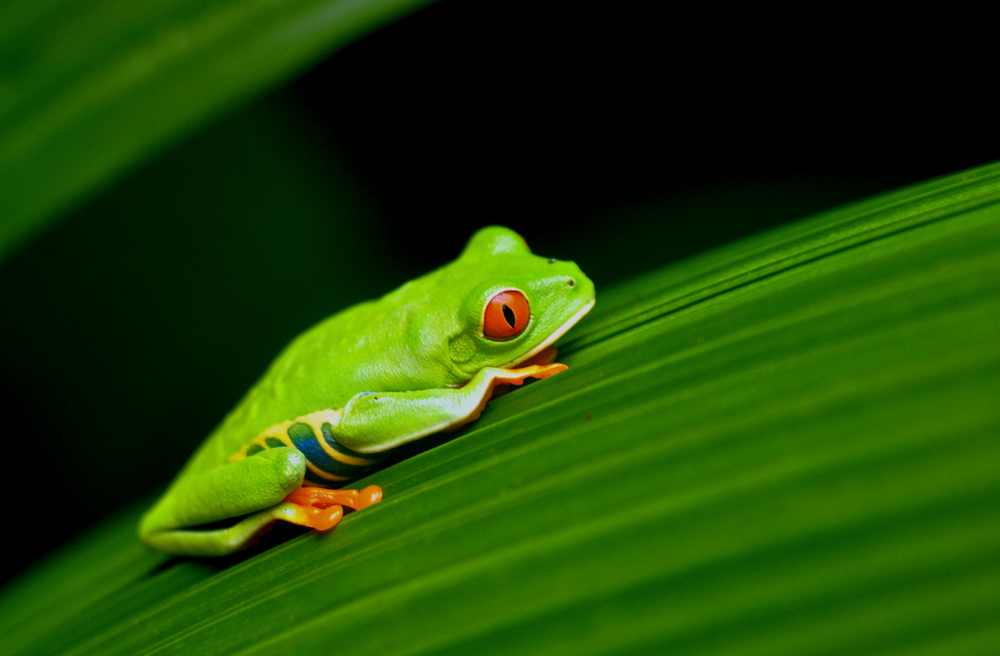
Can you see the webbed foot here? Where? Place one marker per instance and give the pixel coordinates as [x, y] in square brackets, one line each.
[322, 509]
[518, 376]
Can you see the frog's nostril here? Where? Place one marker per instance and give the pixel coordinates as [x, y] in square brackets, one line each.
[571, 282]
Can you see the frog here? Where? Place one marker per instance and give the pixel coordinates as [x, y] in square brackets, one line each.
[349, 392]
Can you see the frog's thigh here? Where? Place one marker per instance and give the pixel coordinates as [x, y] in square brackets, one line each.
[234, 489]
[222, 542]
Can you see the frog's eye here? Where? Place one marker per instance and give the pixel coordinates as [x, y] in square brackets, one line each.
[506, 315]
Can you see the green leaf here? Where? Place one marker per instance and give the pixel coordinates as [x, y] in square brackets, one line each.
[785, 446]
[87, 90]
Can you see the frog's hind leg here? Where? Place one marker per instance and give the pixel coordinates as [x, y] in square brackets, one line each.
[224, 541]
[327, 463]
[247, 487]
[265, 486]
[314, 507]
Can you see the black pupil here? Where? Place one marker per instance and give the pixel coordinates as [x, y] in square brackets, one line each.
[508, 314]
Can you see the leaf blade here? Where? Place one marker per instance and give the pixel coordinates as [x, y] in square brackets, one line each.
[805, 462]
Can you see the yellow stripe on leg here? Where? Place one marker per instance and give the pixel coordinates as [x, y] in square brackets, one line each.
[278, 432]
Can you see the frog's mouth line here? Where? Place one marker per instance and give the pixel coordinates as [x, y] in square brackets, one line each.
[559, 332]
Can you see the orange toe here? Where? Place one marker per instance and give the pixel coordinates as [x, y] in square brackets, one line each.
[320, 497]
[518, 376]
[368, 496]
[321, 519]
[326, 518]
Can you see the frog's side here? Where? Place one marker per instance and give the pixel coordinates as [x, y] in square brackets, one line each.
[422, 359]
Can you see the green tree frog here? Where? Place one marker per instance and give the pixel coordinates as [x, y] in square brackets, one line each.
[422, 359]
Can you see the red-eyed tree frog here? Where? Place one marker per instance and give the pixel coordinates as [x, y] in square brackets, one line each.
[421, 359]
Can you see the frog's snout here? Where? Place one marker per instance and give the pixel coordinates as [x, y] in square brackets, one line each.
[570, 285]
[579, 285]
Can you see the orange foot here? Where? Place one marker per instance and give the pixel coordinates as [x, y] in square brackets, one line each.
[498, 386]
[518, 376]
[322, 509]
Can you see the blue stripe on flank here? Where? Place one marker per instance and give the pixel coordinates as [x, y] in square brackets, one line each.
[305, 440]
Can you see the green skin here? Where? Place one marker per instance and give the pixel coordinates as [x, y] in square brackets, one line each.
[418, 347]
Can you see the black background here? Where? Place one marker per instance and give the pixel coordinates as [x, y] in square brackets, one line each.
[623, 139]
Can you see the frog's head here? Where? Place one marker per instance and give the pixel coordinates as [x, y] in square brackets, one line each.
[511, 304]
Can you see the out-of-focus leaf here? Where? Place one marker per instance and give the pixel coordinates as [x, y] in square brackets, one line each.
[786, 446]
[88, 88]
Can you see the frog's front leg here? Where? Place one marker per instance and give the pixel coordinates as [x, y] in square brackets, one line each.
[375, 422]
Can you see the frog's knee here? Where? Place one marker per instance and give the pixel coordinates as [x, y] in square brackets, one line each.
[289, 465]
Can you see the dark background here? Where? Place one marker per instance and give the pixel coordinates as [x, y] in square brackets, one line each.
[622, 141]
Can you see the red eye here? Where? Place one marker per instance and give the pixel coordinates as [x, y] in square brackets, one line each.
[506, 315]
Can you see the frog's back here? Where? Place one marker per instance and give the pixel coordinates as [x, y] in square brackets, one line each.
[322, 368]
[375, 346]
